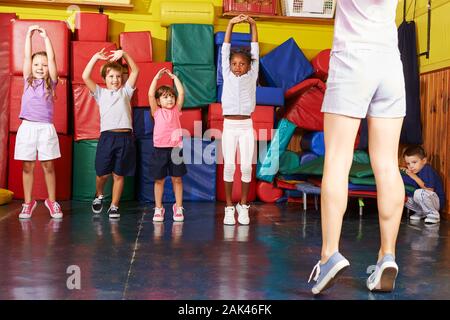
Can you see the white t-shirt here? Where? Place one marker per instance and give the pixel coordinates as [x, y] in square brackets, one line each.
[365, 24]
[115, 107]
[239, 93]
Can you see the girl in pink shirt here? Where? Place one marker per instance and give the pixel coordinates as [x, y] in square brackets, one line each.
[167, 157]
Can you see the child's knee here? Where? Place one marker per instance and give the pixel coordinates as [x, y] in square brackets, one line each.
[28, 167]
[246, 173]
[117, 177]
[177, 180]
[48, 166]
[228, 172]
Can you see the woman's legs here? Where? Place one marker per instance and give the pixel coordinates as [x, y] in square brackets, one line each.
[27, 179]
[340, 133]
[384, 136]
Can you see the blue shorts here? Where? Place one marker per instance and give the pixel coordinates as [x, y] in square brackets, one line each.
[167, 162]
[116, 153]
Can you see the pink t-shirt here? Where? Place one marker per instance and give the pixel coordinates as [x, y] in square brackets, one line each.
[167, 131]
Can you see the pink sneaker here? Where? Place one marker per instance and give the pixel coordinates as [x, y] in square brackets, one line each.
[27, 209]
[177, 213]
[54, 209]
[158, 216]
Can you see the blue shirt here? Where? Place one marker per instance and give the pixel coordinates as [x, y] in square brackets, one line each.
[431, 179]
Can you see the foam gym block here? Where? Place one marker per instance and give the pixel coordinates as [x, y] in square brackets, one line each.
[265, 96]
[314, 141]
[86, 114]
[58, 33]
[147, 71]
[175, 12]
[199, 83]
[82, 52]
[190, 44]
[143, 123]
[304, 102]
[5, 43]
[285, 66]
[269, 164]
[267, 192]
[307, 157]
[91, 26]
[263, 122]
[60, 111]
[321, 63]
[62, 171]
[199, 182]
[191, 121]
[137, 44]
[84, 174]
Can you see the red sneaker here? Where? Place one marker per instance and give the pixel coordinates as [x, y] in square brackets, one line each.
[54, 208]
[27, 210]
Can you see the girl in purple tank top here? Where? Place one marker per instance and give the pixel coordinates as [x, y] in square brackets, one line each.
[36, 136]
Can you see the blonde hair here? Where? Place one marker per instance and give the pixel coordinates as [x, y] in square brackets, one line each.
[48, 84]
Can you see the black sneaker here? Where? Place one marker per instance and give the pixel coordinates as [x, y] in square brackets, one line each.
[113, 212]
[97, 204]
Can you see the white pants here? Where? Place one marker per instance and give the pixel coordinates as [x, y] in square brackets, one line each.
[36, 139]
[423, 201]
[234, 132]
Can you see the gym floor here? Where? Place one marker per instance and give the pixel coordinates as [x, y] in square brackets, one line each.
[201, 259]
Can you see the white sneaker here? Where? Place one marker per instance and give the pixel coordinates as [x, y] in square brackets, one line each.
[243, 213]
[229, 216]
[418, 216]
[432, 218]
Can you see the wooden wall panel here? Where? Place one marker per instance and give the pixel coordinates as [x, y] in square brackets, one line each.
[435, 100]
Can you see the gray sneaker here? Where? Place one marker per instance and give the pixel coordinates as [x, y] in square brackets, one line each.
[432, 218]
[327, 273]
[418, 216]
[383, 274]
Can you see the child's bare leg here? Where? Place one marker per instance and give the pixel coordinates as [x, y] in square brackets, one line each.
[118, 182]
[340, 134]
[159, 190]
[177, 184]
[50, 178]
[228, 193]
[390, 189]
[100, 182]
[27, 179]
[245, 186]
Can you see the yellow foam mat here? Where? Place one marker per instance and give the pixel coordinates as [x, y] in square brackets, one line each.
[173, 12]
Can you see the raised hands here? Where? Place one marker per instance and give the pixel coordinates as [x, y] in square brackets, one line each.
[161, 73]
[242, 18]
[115, 55]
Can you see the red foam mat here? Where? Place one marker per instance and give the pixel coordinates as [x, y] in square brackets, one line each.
[137, 44]
[91, 26]
[82, 52]
[58, 33]
[147, 71]
[86, 114]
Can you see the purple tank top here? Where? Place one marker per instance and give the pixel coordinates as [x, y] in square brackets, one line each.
[37, 102]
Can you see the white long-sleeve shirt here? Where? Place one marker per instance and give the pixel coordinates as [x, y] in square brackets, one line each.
[239, 93]
[365, 24]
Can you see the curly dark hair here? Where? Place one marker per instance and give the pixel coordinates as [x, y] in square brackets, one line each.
[243, 52]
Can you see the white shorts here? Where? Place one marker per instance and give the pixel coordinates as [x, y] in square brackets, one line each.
[365, 82]
[36, 138]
